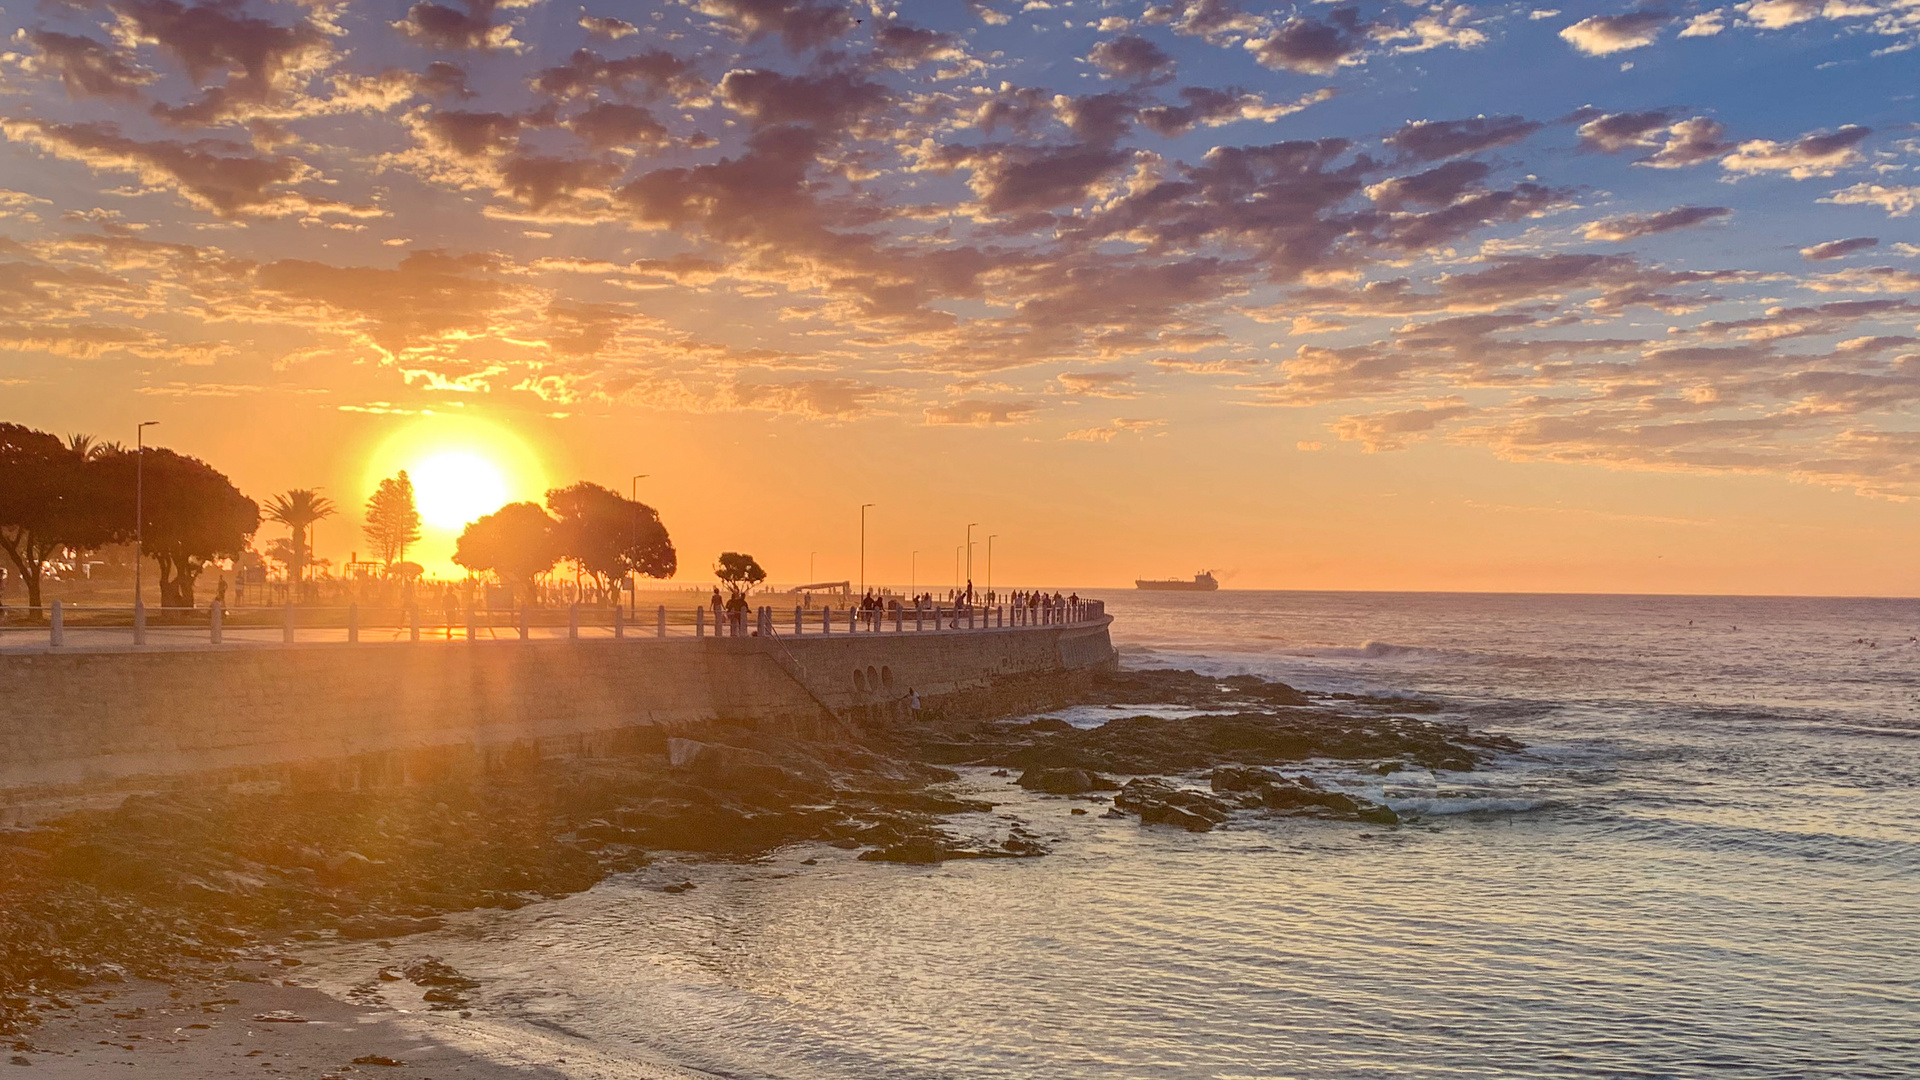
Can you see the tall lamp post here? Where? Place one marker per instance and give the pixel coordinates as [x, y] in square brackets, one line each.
[633, 583]
[863, 548]
[139, 515]
[971, 525]
[956, 571]
[990, 563]
[913, 575]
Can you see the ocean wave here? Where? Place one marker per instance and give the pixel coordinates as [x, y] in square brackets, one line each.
[1442, 805]
[1372, 650]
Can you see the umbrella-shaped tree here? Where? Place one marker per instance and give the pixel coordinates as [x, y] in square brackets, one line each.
[514, 543]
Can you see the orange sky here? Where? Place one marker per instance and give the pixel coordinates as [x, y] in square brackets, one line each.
[1376, 296]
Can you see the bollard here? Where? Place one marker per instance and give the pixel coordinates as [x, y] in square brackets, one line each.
[660, 622]
[139, 621]
[853, 620]
[799, 624]
[699, 622]
[286, 623]
[619, 622]
[826, 618]
[919, 619]
[471, 636]
[938, 618]
[524, 606]
[215, 618]
[573, 621]
[899, 619]
[413, 622]
[353, 624]
[57, 630]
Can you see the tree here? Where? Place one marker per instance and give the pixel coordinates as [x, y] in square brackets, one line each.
[298, 510]
[738, 572]
[393, 519]
[609, 536]
[515, 543]
[191, 515]
[53, 498]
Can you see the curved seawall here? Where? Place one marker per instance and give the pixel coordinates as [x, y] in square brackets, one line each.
[78, 727]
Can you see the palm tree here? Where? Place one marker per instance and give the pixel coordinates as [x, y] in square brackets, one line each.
[298, 510]
[90, 448]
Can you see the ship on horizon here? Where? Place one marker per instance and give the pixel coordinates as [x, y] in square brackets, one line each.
[1202, 582]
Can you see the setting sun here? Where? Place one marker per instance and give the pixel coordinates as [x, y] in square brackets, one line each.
[457, 487]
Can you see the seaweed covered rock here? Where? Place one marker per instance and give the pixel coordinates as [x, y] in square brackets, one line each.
[1065, 781]
[1160, 803]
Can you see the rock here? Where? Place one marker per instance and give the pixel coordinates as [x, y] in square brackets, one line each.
[379, 1059]
[1065, 781]
[1240, 778]
[279, 1016]
[373, 927]
[1159, 802]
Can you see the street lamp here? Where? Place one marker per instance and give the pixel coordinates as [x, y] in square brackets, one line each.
[971, 525]
[863, 548]
[633, 583]
[139, 508]
[913, 575]
[956, 570]
[990, 563]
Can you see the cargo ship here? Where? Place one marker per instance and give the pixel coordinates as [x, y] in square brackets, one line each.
[1202, 582]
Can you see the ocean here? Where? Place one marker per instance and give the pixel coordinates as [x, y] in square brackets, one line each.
[1706, 864]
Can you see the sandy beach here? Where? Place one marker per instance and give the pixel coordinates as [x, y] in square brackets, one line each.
[278, 1027]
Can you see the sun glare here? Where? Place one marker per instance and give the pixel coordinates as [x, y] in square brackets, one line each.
[462, 470]
[456, 487]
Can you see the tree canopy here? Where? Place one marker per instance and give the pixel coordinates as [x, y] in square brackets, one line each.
[299, 509]
[393, 519]
[55, 496]
[192, 515]
[515, 543]
[738, 571]
[609, 536]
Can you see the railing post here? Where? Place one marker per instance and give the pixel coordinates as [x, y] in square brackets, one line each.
[471, 635]
[826, 618]
[970, 610]
[853, 620]
[899, 619]
[353, 624]
[286, 623]
[573, 621]
[700, 622]
[215, 617]
[524, 608]
[799, 624]
[660, 622]
[938, 619]
[413, 622]
[619, 622]
[57, 630]
[919, 618]
[139, 621]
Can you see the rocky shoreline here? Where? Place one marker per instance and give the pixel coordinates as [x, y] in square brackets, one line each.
[188, 884]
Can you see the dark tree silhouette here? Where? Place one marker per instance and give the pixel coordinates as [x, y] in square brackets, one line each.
[300, 510]
[515, 543]
[193, 515]
[54, 497]
[738, 572]
[609, 536]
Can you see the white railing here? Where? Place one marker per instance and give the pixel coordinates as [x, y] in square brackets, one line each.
[91, 626]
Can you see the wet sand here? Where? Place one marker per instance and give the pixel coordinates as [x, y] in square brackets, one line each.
[158, 1031]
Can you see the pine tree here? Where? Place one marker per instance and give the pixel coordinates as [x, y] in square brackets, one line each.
[393, 518]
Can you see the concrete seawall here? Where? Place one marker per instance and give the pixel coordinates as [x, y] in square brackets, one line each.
[82, 727]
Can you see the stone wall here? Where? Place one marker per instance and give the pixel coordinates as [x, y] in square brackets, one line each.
[80, 725]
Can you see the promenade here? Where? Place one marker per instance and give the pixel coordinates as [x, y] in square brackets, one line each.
[94, 628]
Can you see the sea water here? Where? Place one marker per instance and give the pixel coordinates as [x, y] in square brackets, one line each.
[1706, 864]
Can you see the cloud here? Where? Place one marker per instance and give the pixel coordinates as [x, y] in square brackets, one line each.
[1837, 249]
[1377, 432]
[439, 26]
[1131, 56]
[86, 67]
[811, 398]
[1610, 133]
[657, 72]
[1634, 226]
[1314, 46]
[222, 177]
[1817, 154]
[606, 27]
[1896, 201]
[607, 124]
[977, 412]
[1207, 107]
[1092, 434]
[828, 103]
[1433, 140]
[904, 46]
[1604, 35]
[800, 24]
[1105, 384]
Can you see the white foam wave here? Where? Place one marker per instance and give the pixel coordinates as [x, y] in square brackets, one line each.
[1372, 650]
